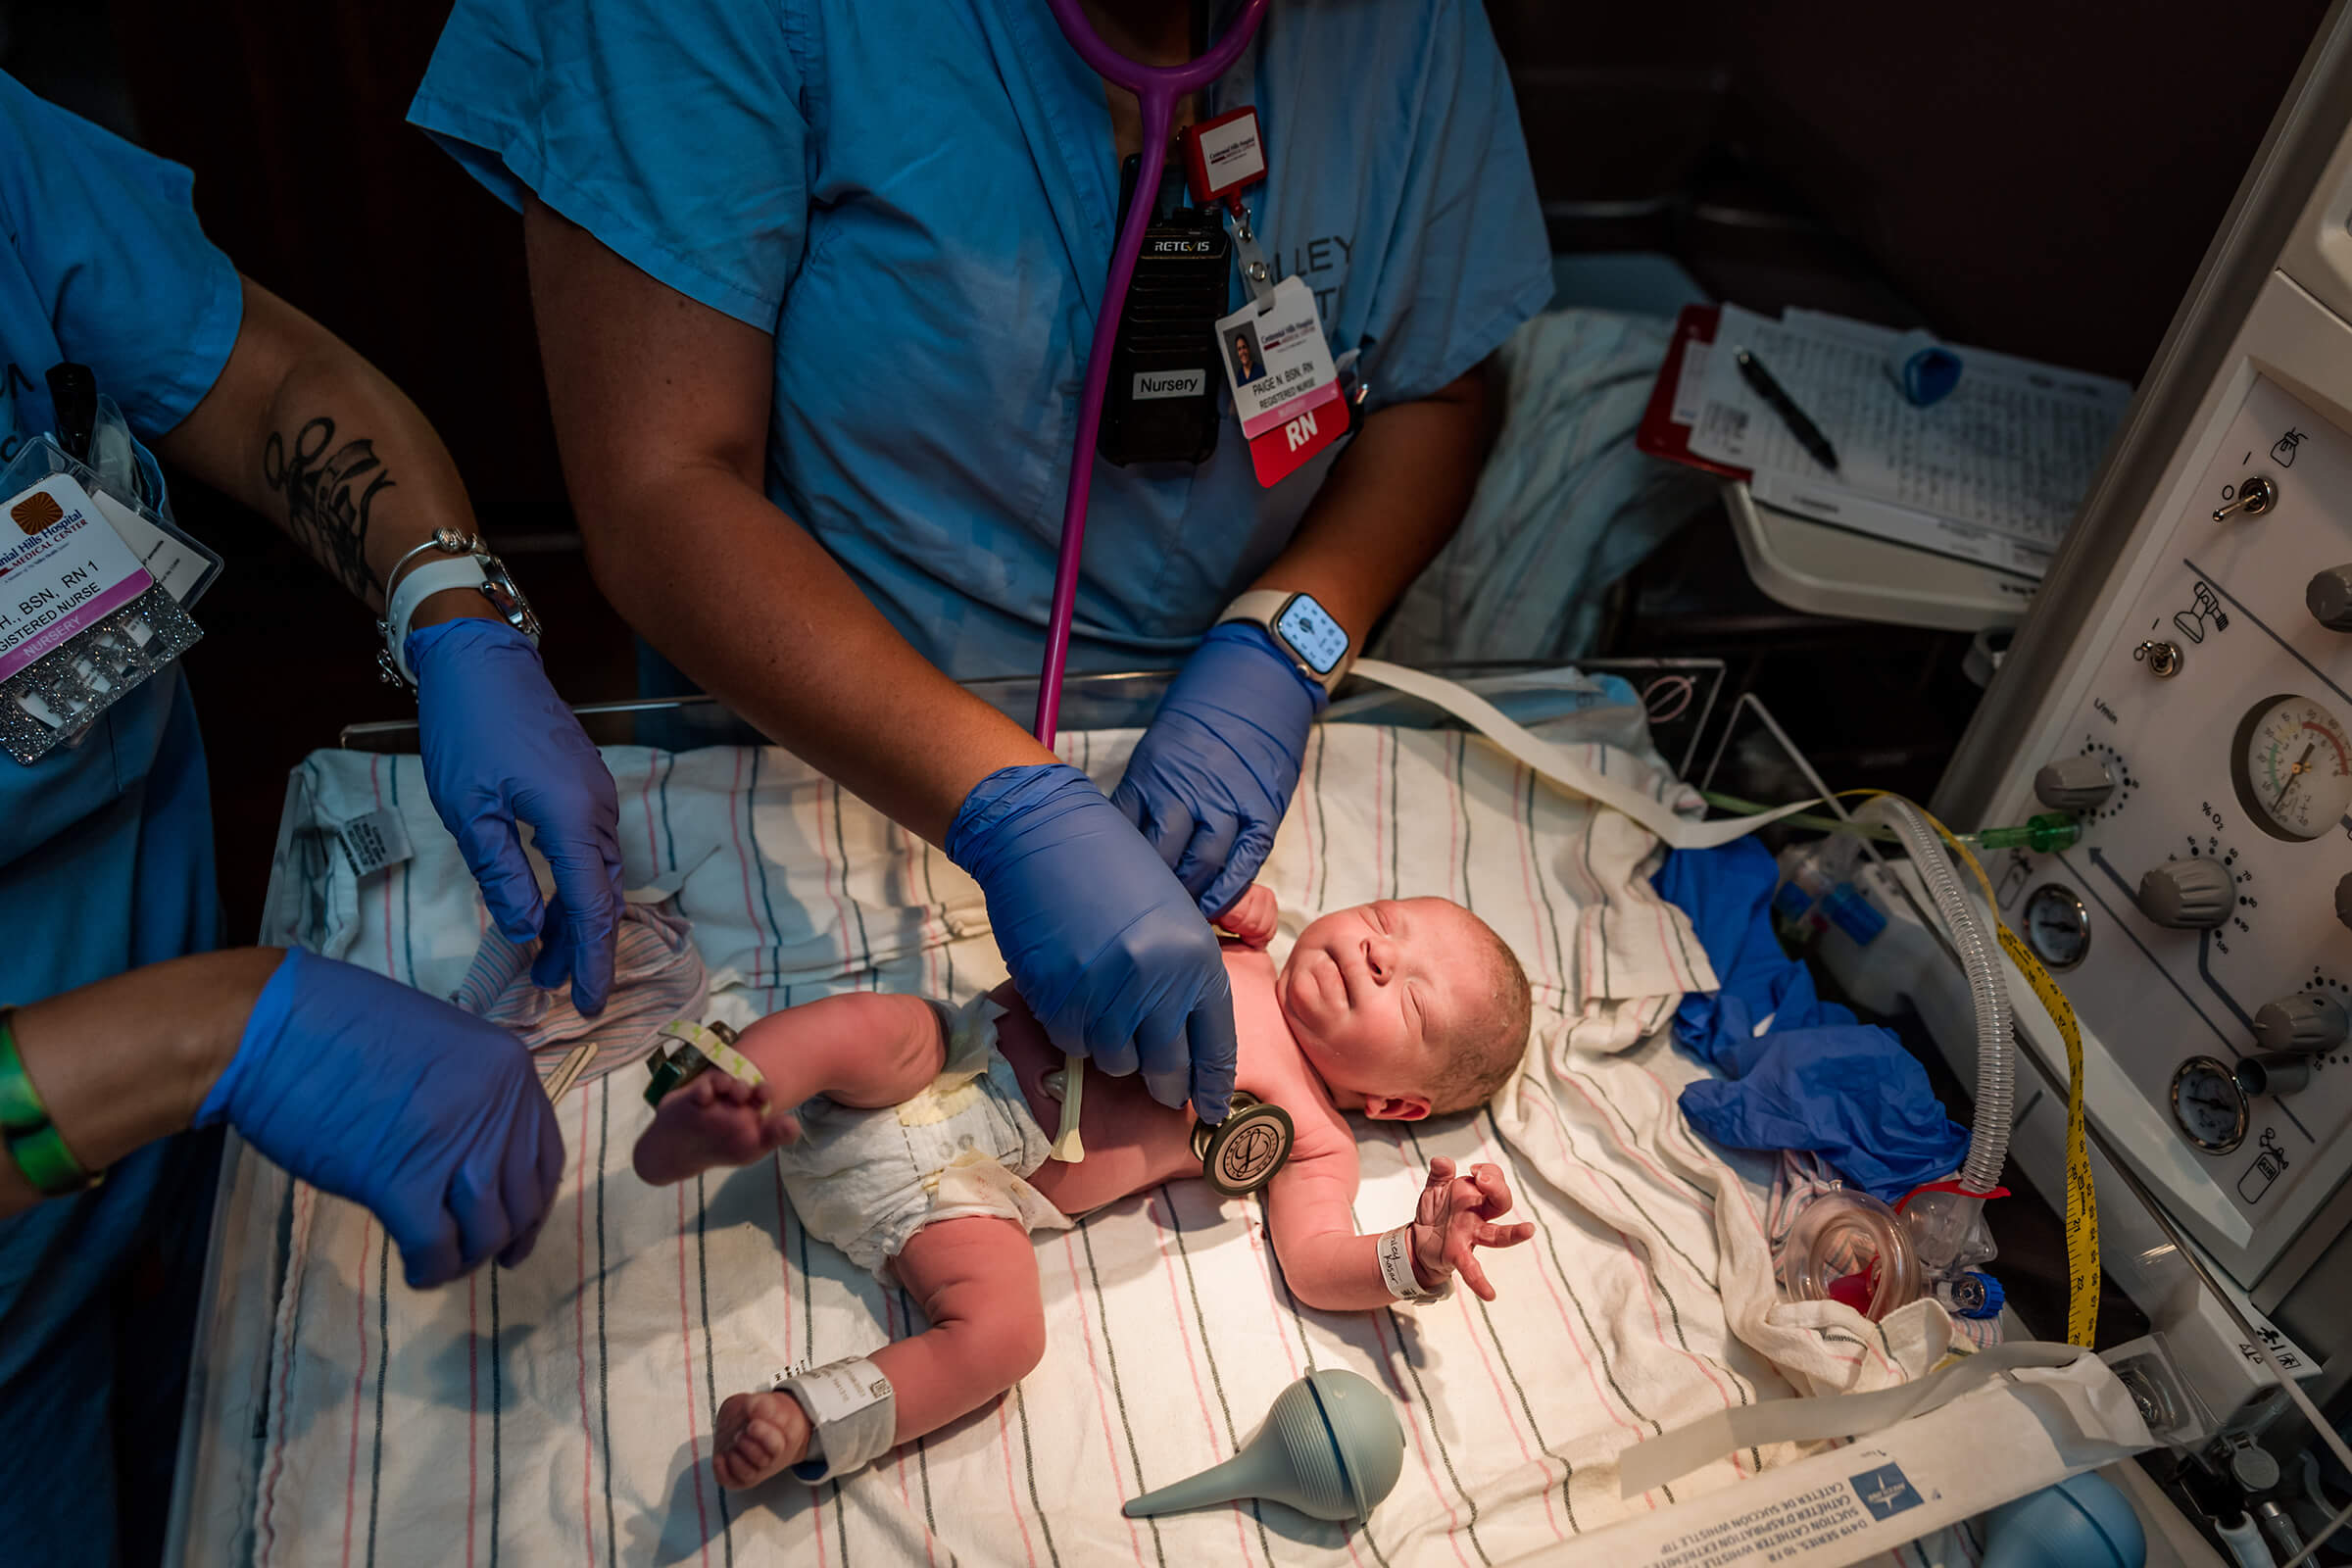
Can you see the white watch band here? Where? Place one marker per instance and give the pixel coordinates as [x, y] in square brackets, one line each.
[415, 588]
[1260, 607]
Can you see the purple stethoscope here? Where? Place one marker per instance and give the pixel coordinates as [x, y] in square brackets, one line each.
[1157, 89]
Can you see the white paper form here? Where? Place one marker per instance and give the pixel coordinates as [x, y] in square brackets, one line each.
[2012, 450]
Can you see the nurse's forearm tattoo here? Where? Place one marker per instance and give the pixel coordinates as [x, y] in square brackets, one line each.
[329, 492]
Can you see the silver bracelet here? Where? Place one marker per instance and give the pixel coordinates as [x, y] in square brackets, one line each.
[448, 541]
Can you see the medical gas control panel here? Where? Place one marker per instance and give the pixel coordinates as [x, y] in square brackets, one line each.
[2200, 922]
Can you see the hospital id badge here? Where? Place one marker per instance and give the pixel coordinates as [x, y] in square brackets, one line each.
[82, 623]
[1284, 386]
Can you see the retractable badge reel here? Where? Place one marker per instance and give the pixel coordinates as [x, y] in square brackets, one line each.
[1276, 360]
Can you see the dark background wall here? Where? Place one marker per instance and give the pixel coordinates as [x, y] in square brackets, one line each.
[2034, 176]
[2038, 177]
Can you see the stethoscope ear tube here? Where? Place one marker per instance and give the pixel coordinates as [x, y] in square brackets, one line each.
[1157, 89]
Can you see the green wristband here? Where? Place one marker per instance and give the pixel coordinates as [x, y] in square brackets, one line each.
[21, 1107]
[31, 1140]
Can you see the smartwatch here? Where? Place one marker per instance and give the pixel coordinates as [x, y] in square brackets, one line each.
[1300, 628]
[469, 564]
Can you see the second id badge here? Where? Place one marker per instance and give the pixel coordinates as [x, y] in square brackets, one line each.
[82, 623]
[1284, 386]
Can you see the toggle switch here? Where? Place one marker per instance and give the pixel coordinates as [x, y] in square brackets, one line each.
[2254, 498]
[2328, 598]
[2188, 894]
[2079, 783]
[2313, 1022]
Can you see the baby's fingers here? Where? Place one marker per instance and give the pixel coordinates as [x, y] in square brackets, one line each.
[1473, 1276]
[1504, 1235]
[1492, 1189]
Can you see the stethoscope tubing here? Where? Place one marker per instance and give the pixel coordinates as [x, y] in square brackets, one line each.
[1157, 89]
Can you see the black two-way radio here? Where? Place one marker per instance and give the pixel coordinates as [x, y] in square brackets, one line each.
[1162, 404]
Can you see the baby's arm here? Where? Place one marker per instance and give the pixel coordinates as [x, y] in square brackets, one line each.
[1313, 1217]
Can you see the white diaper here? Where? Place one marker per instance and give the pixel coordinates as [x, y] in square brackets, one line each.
[867, 1180]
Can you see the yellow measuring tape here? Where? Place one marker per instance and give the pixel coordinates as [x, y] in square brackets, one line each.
[2082, 1198]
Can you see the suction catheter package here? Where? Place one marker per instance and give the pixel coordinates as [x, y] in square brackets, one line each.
[92, 584]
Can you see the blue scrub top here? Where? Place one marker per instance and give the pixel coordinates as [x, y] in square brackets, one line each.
[106, 858]
[917, 199]
[105, 850]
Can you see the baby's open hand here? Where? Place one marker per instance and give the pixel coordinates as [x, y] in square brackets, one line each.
[1455, 1218]
[1251, 917]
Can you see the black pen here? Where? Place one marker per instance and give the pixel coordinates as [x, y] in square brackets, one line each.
[1752, 371]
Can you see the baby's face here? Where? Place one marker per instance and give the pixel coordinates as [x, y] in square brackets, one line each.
[1369, 991]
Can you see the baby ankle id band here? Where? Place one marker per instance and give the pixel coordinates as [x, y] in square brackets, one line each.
[854, 1412]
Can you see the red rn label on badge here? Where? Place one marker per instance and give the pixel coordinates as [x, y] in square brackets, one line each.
[1282, 451]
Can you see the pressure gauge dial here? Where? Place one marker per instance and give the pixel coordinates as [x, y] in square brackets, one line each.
[2057, 926]
[2209, 1105]
[2292, 765]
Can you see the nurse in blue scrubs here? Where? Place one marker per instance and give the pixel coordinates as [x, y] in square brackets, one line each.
[119, 1025]
[816, 281]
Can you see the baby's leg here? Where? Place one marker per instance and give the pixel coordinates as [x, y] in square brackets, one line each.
[862, 1048]
[977, 1282]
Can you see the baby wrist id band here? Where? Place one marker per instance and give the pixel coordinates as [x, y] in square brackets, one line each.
[852, 1414]
[31, 1140]
[1396, 1253]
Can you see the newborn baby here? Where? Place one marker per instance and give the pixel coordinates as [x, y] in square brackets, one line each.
[915, 1138]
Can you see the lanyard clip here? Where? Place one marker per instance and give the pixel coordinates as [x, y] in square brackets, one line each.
[1256, 276]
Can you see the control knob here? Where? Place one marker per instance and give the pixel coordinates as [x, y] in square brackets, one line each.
[2343, 898]
[2313, 1022]
[2188, 894]
[2328, 598]
[2078, 783]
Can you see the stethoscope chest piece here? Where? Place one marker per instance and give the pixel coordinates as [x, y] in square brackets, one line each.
[1241, 1154]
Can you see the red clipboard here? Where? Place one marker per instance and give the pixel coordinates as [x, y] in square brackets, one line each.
[1659, 436]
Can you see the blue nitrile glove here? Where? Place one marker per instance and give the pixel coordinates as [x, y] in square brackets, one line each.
[499, 745]
[429, 1116]
[1211, 778]
[1104, 947]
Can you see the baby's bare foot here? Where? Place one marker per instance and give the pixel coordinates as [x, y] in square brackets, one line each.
[715, 1120]
[758, 1434]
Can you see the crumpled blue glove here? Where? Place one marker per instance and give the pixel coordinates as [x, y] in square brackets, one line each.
[499, 745]
[1103, 945]
[1211, 778]
[426, 1115]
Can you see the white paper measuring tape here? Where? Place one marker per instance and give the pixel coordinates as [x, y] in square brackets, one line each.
[1557, 767]
[1655, 1462]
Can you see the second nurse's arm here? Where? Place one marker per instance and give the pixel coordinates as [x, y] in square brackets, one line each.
[661, 407]
[300, 427]
[1210, 781]
[661, 411]
[1391, 501]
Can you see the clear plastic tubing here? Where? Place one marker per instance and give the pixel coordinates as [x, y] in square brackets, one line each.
[1942, 1221]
